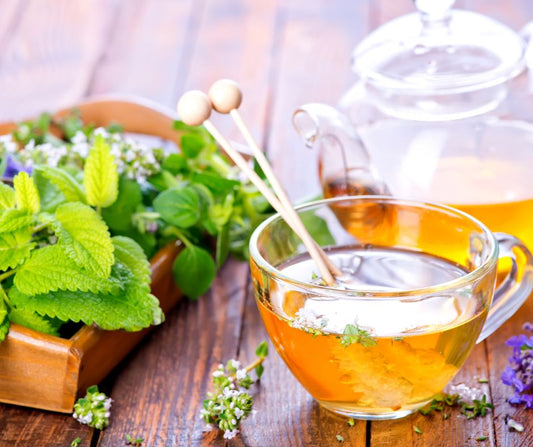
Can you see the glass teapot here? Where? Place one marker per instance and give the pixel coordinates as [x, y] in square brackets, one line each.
[425, 119]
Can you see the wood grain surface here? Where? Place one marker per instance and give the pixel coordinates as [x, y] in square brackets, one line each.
[284, 53]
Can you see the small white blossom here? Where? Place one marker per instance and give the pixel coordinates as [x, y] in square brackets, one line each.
[230, 434]
[235, 363]
[218, 373]
[239, 413]
[241, 374]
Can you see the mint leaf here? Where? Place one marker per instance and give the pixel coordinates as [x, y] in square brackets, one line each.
[30, 319]
[194, 271]
[130, 254]
[49, 269]
[14, 248]
[191, 145]
[317, 228]
[68, 186]
[180, 207]
[26, 194]
[217, 184]
[100, 175]
[118, 215]
[354, 334]
[262, 350]
[13, 220]
[7, 197]
[222, 247]
[174, 163]
[132, 309]
[84, 237]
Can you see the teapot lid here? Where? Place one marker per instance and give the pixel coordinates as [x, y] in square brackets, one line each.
[439, 50]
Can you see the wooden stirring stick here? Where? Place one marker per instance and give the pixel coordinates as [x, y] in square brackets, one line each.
[226, 97]
[194, 109]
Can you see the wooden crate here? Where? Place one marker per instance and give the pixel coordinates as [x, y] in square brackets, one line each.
[42, 371]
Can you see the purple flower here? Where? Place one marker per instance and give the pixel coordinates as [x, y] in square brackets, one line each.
[519, 373]
[13, 167]
[528, 327]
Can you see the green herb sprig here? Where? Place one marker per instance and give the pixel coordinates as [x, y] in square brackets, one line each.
[229, 404]
[93, 409]
[478, 407]
[354, 334]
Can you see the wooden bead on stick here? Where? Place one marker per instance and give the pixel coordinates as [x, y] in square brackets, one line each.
[194, 108]
[225, 95]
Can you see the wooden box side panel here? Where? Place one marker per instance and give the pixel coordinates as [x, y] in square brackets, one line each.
[37, 370]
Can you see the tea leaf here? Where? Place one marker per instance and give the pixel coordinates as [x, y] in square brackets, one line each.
[26, 194]
[7, 197]
[100, 175]
[354, 334]
[66, 184]
[179, 207]
[482, 438]
[84, 237]
[339, 438]
[417, 430]
[351, 422]
[49, 269]
[194, 271]
[76, 442]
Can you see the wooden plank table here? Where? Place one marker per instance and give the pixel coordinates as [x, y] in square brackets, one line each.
[284, 53]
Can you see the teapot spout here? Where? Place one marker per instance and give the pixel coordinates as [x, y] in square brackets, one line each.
[344, 165]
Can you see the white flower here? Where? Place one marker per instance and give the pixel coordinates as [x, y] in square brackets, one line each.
[79, 137]
[241, 374]
[239, 413]
[235, 363]
[230, 434]
[307, 320]
[218, 373]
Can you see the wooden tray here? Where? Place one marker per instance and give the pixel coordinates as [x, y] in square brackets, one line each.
[47, 372]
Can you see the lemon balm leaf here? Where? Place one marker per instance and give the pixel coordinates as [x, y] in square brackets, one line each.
[130, 254]
[13, 220]
[14, 248]
[100, 175]
[30, 319]
[49, 269]
[26, 194]
[84, 237]
[7, 197]
[133, 309]
[66, 184]
[194, 271]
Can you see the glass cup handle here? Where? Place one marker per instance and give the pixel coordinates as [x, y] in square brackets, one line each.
[515, 288]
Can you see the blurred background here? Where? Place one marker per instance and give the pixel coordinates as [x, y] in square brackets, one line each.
[283, 52]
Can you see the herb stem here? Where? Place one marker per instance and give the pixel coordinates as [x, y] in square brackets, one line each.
[7, 274]
[255, 364]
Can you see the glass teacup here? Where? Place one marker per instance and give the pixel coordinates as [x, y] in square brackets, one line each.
[416, 295]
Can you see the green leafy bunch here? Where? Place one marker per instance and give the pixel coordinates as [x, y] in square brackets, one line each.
[198, 198]
[58, 261]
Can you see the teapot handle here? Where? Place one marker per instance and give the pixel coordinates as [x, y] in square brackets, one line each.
[515, 288]
[343, 156]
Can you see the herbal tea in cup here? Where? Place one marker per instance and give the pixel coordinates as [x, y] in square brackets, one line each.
[415, 296]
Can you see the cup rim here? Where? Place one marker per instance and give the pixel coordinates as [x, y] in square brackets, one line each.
[361, 294]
